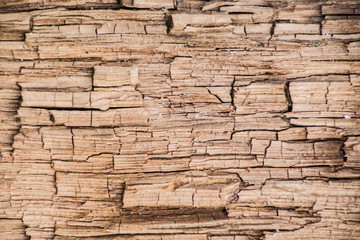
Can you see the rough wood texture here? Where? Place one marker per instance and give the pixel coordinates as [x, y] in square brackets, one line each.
[189, 119]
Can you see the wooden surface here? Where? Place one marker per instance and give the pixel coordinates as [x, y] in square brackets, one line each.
[174, 120]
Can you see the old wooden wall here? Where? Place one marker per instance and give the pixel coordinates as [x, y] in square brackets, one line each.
[170, 120]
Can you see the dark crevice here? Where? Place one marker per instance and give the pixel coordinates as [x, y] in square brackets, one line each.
[17, 120]
[79, 109]
[92, 75]
[144, 214]
[272, 30]
[72, 140]
[31, 23]
[221, 101]
[119, 198]
[27, 237]
[288, 96]
[55, 182]
[51, 117]
[321, 24]
[342, 152]
[24, 8]
[169, 23]
[232, 95]
[232, 13]
[99, 154]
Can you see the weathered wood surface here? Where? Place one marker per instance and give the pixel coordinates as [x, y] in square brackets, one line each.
[205, 120]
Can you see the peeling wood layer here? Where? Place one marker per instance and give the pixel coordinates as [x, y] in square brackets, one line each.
[204, 120]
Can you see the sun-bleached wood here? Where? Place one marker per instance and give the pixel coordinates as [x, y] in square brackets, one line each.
[174, 120]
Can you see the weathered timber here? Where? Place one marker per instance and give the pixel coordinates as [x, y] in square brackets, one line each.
[179, 119]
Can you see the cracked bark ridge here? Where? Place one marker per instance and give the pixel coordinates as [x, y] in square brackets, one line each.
[204, 120]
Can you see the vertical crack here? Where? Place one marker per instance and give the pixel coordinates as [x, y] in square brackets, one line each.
[27, 237]
[169, 23]
[342, 151]
[92, 75]
[55, 182]
[272, 30]
[288, 96]
[31, 23]
[108, 188]
[266, 149]
[14, 131]
[72, 140]
[321, 23]
[232, 94]
[121, 194]
[51, 117]
[326, 94]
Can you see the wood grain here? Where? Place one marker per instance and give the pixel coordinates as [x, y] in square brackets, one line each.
[174, 120]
